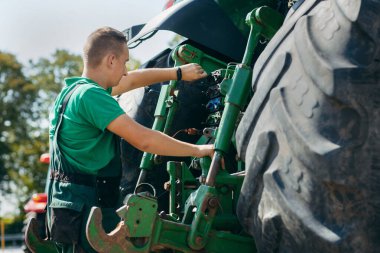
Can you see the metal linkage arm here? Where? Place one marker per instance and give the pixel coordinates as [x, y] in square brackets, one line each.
[142, 230]
[264, 21]
[35, 243]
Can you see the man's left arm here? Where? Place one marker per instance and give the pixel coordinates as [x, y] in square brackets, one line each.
[143, 77]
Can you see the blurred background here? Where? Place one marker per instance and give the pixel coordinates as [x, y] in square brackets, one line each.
[40, 45]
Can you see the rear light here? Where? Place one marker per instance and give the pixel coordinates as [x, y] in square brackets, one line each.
[40, 197]
[45, 158]
[169, 4]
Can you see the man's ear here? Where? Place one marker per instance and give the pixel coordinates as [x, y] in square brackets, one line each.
[110, 60]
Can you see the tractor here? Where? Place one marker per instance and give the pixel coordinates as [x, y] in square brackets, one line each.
[291, 103]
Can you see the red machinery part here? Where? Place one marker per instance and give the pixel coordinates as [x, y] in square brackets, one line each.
[45, 158]
[37, 203]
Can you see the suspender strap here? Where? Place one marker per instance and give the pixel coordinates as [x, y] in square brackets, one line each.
[59, 175]
[61, 110]
[106, 187]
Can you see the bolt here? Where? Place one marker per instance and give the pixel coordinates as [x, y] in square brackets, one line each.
[167, 186]
[213, 202]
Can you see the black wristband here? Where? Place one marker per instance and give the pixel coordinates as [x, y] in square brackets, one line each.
[179, 74]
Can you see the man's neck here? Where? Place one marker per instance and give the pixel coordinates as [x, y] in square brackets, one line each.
[96, 76]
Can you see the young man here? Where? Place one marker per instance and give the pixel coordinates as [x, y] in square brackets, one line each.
[85, 161]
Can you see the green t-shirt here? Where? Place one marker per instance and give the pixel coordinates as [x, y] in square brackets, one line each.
[83, 138]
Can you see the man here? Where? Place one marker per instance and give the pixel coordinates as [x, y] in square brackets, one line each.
[85, 162]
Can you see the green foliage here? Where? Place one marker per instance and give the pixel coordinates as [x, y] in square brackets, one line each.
[237, 10]
[17, 95]
[48, 74]
[13, 225]
[133, 64]
[176, 40]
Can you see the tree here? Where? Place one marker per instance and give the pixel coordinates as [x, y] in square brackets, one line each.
[47, 75]
[17, 95]
[24, 106]
[133, 63]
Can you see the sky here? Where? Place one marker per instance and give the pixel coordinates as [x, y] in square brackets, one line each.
[31, 29]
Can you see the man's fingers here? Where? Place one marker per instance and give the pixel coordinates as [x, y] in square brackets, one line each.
[200, 71]
[192, 71]
[203, 73]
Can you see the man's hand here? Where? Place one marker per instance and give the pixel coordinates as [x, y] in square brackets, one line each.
[192, 71]
[205, 150]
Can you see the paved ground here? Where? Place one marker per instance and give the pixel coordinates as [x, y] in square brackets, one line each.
[12, 250]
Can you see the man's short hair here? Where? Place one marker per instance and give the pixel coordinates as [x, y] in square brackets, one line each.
[101, 42]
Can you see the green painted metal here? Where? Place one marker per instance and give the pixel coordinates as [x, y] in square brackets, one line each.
[263, 22]
[189, 54]
[225, 85]
[181, 190]
[172, 187]
[269, 20]
[182, 184]
[119, 240]
[34, 242]
[205, 201]
[163, 233]
[136, 217]
[159, 123]
[236, 9]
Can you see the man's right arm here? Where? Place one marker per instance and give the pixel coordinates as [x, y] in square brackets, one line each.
[143, 77]
[155, 142]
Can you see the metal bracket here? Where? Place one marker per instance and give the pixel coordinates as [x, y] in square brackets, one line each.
[114, 242]
[33, 240]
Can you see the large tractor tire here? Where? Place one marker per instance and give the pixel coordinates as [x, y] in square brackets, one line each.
[310, 136]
